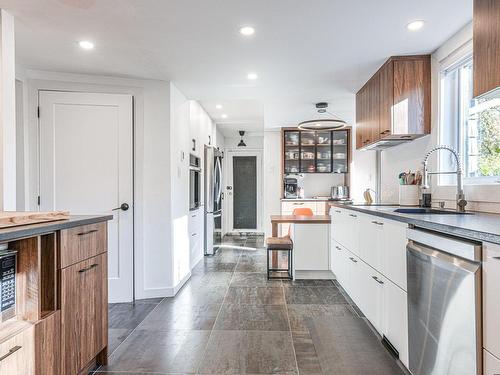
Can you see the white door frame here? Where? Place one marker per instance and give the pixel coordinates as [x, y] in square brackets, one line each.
[228, 181]
[130, 296]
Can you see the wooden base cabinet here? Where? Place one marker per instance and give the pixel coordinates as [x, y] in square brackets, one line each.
[17, 354]
[84, 316]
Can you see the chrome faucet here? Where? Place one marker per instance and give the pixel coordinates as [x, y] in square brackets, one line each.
[461, 202]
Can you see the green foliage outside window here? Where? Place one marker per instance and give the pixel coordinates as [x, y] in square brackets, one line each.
[489, 148]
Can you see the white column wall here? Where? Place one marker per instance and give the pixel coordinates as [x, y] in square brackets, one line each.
[7, 113]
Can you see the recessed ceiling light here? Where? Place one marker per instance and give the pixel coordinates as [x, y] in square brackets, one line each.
[247, 30]
[415, 25]
[223, 115]
[85, 44]
[252, 76]
[218, 106]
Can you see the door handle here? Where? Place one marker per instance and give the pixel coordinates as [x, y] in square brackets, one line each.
[11, 351]
[123, 207]
[377, 279]
[377, 222]
[88, 268]
[353, 260]
[353, 215]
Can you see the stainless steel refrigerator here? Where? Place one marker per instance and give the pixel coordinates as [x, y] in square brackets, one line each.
[213, 200]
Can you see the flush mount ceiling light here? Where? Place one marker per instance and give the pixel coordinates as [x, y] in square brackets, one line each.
[242, 143]
[218, 106]
[86, 44]
[223, 115]
[247, 30]
[323, 123]
[415, 25]
[252, 76]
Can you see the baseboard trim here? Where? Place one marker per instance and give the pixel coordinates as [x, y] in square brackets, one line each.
[317, 275]
[163, 292]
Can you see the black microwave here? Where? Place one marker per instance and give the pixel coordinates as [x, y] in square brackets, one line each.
[194, 182]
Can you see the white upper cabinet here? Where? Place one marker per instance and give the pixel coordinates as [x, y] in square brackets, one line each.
[201, 129]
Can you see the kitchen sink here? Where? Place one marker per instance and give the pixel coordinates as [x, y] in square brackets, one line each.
[429, 211]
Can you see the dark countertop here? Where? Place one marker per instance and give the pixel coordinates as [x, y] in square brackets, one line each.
[476, 226]
[12, 233]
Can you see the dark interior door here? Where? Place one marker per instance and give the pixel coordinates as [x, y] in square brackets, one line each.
[245, 192]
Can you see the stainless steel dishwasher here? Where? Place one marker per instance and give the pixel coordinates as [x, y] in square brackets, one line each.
[444, 304]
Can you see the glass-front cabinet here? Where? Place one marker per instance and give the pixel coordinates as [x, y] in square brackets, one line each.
[315, 151]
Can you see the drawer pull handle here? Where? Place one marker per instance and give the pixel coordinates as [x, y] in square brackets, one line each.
[193, 234]
[11, 351]
[338, 248]
[88, 268]
[377, 279]
[85, 233]
[496, 258]
[354, 260]
[377, 222]
[352, 215]
[337, 211]
[298, 204]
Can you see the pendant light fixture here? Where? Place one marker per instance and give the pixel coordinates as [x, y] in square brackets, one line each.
[242, 143]
[323, 123]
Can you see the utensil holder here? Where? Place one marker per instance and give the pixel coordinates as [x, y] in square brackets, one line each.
[408, 195]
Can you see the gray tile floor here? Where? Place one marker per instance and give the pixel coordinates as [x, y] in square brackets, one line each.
[229, 319]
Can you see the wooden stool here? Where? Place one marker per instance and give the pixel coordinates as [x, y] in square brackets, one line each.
[280, 244]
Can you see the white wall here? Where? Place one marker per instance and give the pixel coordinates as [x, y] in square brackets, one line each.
[179, 180]
[7, 113]
[255, 142]
[152, 190]
[272, 177]
[319, 184]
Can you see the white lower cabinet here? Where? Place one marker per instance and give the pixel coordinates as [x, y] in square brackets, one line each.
[491, 364]
[491, 300]
[369, 261]
[395, 318]
[311, 247]
[196, 235]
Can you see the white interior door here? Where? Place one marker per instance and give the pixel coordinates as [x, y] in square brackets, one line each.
[86, 159]
[244, 172]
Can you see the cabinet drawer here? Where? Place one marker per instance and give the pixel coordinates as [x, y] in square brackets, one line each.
[491, 302]
[84, 313]
[491, 364]
[80, 243]
[17, 354]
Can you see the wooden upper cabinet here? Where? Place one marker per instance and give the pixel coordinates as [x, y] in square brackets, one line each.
[396, 101]
[486, 44]
[386, 95]
[361, 114]
[411, 110]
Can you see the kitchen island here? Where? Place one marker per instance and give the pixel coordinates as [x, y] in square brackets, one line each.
[59, 322]
[311, 250]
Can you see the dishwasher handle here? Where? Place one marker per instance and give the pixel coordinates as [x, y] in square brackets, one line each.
[440, 256]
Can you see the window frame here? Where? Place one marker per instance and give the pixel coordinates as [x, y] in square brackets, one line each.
[462, 61]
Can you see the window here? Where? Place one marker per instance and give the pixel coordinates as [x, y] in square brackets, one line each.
[471, 126]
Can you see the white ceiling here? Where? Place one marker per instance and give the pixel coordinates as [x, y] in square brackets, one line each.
[303, 51]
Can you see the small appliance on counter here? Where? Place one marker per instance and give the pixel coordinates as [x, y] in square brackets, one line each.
[291, 188]
[340, 192]
[7, 284]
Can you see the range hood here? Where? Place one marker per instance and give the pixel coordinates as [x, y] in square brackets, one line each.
[391, 141]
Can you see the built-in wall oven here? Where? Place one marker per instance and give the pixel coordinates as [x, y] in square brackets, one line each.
[444, 304]
[194, 182]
